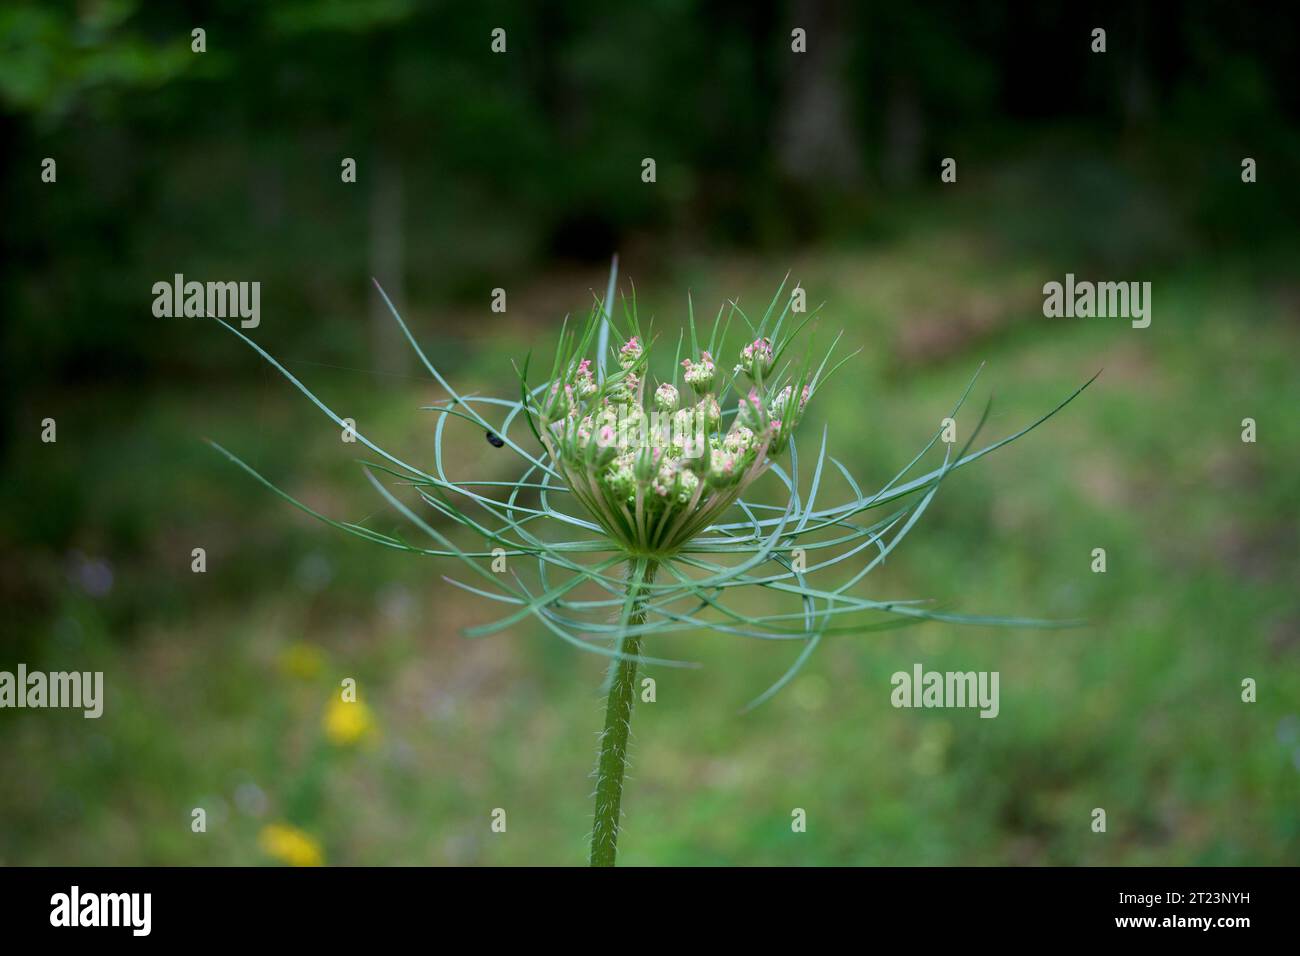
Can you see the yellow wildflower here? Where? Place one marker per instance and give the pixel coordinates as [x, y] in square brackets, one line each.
[347, 723]
[290, 845]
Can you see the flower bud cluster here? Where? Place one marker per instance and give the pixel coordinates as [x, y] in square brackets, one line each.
[675, 454]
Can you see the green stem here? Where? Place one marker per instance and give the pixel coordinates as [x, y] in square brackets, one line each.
[618, 722]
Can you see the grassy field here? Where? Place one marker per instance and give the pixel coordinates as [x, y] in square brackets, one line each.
[219, 684]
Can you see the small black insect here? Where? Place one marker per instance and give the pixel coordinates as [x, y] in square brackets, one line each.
[495, 440]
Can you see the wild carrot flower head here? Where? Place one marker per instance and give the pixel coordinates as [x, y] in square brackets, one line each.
[634, 475]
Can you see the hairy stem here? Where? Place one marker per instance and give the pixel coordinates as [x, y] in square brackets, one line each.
[618, 723]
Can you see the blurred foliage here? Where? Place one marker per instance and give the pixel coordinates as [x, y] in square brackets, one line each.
[523, 171]
[229, 160]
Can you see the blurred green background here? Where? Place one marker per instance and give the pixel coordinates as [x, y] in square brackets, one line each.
[522, 171]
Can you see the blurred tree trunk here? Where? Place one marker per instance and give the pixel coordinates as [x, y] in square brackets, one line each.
[904, 135]
[816, 143]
